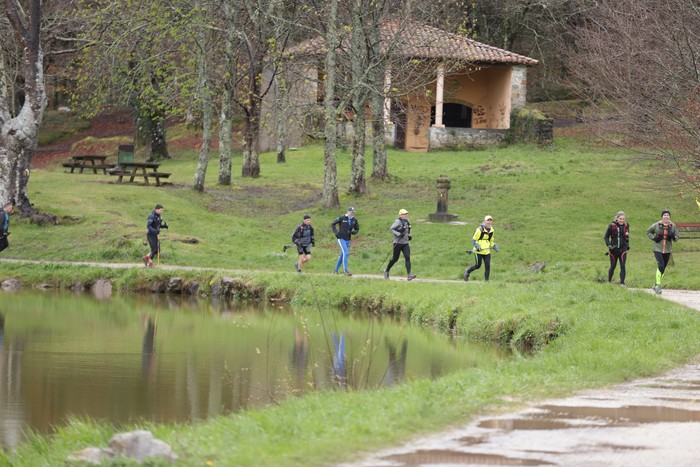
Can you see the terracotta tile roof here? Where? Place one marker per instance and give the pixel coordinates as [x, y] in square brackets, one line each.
[412, 39]
[422, 41]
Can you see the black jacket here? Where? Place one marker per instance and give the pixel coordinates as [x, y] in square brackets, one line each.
[303, 235]
[4, 217]
[153, 224]
[345, 227]
[618, 236]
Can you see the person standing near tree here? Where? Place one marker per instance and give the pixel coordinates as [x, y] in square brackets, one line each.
[401, 229]
[303, 238]
[344, 227]
[5, 225]
[617, 238]
[154, 224]
[663, 233]
[482, 242]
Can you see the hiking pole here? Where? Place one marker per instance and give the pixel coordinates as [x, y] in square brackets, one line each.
[387, 257]
[469, 252]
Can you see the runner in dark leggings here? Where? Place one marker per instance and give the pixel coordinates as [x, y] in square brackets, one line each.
[617, 239]
[483, 243]
[663, 233]
[401, 229]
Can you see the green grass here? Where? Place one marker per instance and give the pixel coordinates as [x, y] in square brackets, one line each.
[549, 205]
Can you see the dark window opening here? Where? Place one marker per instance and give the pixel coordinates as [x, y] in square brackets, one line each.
[454, 116]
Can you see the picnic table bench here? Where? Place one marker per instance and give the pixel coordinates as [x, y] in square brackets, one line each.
[138, 169]
[688, 227]
[88, 161]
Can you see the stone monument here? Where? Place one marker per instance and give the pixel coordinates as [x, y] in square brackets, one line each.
[443, 186]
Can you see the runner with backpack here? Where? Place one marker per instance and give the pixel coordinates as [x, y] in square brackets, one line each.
[483, 243]
[663, 233]
[303, 238]
[401, 229]
[617, 238]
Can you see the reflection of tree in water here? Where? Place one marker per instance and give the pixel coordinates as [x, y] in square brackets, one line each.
[299, 357]
[396, 368]
[148, 350]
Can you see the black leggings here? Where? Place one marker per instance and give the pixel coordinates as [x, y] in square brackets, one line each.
[486, 259]
[615, 256]
[398, 248]
[153, 243]
[662, 260]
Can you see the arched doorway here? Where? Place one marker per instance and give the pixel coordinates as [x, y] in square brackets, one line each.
[454, 115]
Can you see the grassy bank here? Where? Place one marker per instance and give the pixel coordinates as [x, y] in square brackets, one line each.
[549, 206]
[596, 334]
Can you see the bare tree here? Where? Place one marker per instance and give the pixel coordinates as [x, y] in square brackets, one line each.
[19, 132]
[204, 95]
[229, 84]
[330, 168]
[641, 58]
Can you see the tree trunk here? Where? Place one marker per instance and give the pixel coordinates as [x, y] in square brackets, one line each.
[225, 124]
[380, 169]
[251, 159]
[281, 111]
[380, 88]
[225, 142]
[151, 131]
[205, 97]
[330, 170]
[20, 134]
[159, 143]
[358, 67]
[358, 182]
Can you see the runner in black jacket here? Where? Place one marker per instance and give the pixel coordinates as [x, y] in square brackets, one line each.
[303, 238]
[617, 238]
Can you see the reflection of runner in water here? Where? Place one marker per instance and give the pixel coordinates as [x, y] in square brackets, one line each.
[299, 356]
[339, 359]
[148, 350]
[396, 368]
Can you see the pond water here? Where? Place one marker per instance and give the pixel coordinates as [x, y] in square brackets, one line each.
[167, 359]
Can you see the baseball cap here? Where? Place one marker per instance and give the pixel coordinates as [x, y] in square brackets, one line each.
[488, 218]
[351, 209]
[402, 211]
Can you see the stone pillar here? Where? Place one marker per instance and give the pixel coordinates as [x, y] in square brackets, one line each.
[518, 87]
[443, 187]
[439, 95]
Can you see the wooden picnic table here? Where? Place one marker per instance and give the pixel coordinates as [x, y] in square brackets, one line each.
[88, 161]
[138, 169]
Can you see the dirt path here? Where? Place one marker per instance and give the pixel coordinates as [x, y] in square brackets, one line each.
[648, 422]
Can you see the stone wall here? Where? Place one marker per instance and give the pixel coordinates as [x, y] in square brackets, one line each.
[530, 126]
[465, 138]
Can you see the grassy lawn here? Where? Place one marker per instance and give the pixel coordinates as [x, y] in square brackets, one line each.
[549, 205]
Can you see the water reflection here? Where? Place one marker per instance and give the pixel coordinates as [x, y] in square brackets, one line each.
[166, 359]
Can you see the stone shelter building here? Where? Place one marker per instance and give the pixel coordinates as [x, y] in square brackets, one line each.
[460, 92]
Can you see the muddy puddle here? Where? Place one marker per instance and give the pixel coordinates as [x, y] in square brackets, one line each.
[654, 421]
